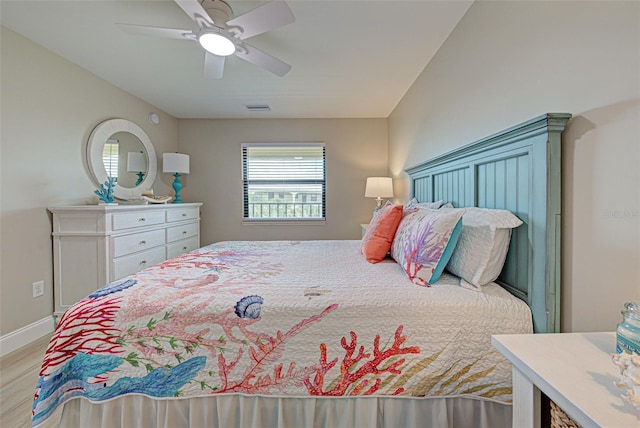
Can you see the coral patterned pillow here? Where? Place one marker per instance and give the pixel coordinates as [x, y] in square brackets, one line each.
[424, 242]
[377, 240]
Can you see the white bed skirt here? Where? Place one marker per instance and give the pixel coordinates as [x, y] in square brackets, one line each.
[274, 412]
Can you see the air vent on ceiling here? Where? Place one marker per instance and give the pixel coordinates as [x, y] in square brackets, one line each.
[258, 107]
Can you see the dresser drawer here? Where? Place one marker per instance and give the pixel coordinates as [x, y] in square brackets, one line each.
[137, 219]
[181, 247]
[182, 214]
[94, 245]
[127, 244]
[123, 266]
[181, 232]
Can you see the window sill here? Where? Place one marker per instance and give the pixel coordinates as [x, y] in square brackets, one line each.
[284, 222]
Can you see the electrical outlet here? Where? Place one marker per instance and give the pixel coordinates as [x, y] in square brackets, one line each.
[38, 289]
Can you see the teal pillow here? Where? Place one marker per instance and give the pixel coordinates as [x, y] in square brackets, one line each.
[447, 253]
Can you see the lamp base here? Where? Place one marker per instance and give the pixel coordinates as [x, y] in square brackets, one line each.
[140, 178]
[177, 186]
[378, 206]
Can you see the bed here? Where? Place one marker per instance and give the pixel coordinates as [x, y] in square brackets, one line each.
[308, 333]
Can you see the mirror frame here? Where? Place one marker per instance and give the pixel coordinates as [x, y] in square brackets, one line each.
[95, 147]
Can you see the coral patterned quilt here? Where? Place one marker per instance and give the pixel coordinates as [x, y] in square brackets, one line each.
[282, 318]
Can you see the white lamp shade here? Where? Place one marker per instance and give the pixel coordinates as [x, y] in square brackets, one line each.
[175, 163]
[379, 187]
[136, 162]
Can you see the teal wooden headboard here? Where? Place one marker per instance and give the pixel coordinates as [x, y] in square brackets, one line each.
[518, 169]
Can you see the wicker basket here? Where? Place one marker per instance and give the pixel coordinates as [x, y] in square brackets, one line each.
[559, 419]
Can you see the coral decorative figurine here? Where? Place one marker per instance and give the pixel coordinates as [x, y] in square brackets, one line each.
[105, 193]
[628, 366]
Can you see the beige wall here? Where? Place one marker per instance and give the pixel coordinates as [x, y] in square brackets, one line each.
[355, 149]
[507, 62]
[504, 63]
[49, 107]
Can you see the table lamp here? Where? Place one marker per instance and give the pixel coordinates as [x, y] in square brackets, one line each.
[379, 187]
[136, 162]
[176, 164]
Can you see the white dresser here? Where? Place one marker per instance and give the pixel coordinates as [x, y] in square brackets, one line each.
[94, 245]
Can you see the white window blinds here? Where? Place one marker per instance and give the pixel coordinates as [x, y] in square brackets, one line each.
[110, 156]
[284, 181]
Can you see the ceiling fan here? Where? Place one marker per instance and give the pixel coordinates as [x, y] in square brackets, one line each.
[222, 36]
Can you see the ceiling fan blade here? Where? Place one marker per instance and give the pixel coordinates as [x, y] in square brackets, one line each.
[213, 66]
[194, 9]
[167, 33]
[264, 60]
[263, 18]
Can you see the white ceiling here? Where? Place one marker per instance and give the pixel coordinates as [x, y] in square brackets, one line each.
[349, 58]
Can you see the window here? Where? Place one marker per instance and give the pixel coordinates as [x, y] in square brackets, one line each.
[289, 171]
[110, 154]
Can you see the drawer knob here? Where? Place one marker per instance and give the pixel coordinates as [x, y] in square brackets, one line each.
[141, 219]
[184, 248]
[144, 262]
[143, 242]
[184, 232]
[184, 214]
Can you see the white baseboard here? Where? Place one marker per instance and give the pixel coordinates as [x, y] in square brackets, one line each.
[25, 335]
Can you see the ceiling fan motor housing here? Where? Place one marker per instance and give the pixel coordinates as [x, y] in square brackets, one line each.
[219, 11]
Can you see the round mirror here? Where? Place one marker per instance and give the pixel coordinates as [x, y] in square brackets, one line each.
[121, 149]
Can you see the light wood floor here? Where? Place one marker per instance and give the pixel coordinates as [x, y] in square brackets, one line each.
[18, 376]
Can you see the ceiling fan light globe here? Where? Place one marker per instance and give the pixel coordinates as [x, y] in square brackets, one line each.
[217, 44]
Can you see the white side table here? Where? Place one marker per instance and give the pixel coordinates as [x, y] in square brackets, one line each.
[363, 228]
[572, 369]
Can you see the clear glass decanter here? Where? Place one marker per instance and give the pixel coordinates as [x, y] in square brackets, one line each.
[628, 331]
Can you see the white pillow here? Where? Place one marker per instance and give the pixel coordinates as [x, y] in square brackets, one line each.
[500, 219]
[413, 203]
[482, 247]
[447, 205]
